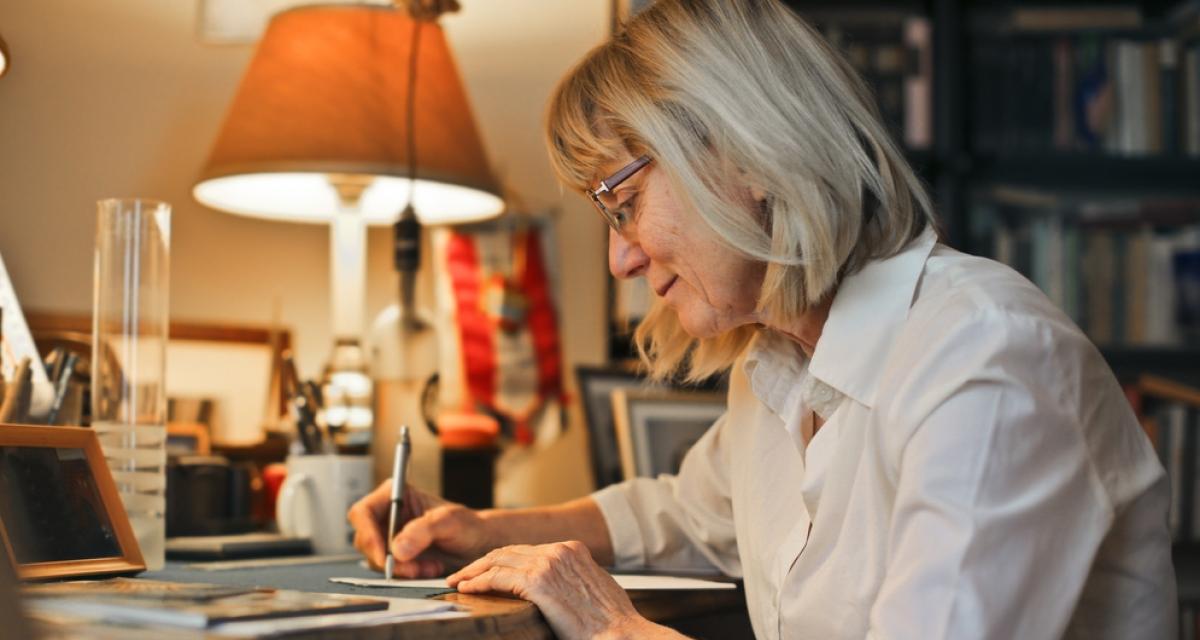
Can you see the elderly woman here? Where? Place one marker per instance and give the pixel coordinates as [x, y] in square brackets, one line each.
[917, 443]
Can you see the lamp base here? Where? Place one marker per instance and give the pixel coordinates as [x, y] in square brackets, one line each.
[348, 392]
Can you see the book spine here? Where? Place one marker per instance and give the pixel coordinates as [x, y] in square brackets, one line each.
[1115, 138]
[1120, 247]
[1072, 289]
[1151, 93]
[918, 85]
[1187, 471]
[1169, 96]
[1098, 278]
[1160, 291]
[1064, 128]
[1136, 269]
[1192, 99]
[1176, 416]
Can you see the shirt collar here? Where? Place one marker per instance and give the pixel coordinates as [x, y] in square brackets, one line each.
[774, 367]
[868, 310]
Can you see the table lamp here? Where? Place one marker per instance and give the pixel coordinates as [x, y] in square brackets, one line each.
[352, 115]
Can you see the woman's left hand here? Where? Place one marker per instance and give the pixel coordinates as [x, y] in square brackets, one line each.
[578, 598]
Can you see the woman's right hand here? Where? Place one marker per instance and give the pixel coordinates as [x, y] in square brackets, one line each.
[435, 536]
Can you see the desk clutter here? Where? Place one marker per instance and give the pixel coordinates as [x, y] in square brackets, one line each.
[218, 609]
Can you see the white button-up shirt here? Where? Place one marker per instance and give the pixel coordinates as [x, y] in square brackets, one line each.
[979, 474]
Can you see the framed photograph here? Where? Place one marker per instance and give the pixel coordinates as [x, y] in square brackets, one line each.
[60, 513]
[236, 370]
[656, 428]
[596, 386]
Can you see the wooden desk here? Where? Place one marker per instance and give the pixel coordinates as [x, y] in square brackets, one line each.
[714, 614]
[493, 617]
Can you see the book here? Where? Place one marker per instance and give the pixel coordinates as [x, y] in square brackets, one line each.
[1172, 404]
[248, 545]
[1108, 261]
[1074, 18]
[918, 84]
[189, 606]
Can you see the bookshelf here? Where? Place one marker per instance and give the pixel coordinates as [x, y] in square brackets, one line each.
[996, 51]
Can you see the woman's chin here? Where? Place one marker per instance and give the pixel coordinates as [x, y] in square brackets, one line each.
[698, 328]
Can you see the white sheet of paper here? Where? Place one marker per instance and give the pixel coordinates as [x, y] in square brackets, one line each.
[627, 582]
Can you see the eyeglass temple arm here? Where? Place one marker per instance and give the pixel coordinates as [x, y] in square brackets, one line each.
[617, 178]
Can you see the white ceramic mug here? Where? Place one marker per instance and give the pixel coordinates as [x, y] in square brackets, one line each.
[316, 495]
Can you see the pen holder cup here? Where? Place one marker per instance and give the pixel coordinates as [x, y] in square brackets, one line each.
[315, 496]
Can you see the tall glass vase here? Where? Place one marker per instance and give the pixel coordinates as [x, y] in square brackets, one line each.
[129, 342]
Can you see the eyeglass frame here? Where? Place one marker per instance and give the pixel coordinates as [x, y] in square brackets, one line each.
[610, 183]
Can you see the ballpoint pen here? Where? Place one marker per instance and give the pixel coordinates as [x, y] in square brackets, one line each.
[399, 470]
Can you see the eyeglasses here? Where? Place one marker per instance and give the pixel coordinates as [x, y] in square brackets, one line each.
[606, 201]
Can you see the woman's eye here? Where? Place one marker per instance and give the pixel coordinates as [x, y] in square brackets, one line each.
[625, 209]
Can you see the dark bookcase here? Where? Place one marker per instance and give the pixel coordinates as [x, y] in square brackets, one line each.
[1037, 123]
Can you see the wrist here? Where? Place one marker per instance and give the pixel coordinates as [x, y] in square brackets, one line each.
[630, 628]
[494, 530]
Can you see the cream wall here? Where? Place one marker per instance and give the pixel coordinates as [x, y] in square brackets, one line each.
[119, 98]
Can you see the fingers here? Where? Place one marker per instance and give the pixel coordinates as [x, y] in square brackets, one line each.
[558, 578]
[498, 580]
[421, 533]
[511, 556]
[367, 517]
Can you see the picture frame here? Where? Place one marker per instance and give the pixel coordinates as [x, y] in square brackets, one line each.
[596, 386]
[236, 367]
[60, 513]
[656, 428]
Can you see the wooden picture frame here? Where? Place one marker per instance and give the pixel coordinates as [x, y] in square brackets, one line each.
[55, 487]
[656, 428]
[238, 367]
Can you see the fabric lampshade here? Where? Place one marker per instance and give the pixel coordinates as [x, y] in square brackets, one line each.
[327, 93]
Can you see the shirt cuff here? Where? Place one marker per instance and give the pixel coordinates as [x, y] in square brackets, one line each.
[629, 552]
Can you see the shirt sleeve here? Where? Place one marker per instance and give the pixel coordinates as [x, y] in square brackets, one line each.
[999, 510]
[675, 522]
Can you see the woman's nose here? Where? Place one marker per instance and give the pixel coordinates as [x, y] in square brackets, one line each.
[625, 259]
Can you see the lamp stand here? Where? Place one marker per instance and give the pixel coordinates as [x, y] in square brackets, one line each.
[348, 388]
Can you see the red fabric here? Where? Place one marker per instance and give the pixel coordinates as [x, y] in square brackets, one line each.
[474, 327]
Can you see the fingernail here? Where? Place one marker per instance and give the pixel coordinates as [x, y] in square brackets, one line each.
[402, 550]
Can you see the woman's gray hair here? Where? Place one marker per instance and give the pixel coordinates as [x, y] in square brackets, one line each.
[722, 92]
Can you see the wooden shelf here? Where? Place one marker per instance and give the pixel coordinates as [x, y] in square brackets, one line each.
[1129, 362]
[1095, 172]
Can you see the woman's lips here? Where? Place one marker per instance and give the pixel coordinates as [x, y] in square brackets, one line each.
[662, 291]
